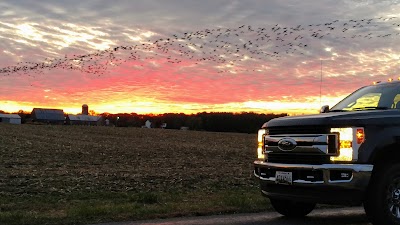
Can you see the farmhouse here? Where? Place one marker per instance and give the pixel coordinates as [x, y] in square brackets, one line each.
[83, 120]
[10, 118]
[49, 116]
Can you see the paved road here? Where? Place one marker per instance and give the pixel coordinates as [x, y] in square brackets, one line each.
[336, 216]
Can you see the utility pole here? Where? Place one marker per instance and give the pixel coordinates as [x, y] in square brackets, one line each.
[320, 88]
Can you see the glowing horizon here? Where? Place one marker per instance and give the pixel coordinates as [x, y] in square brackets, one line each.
[291, 108]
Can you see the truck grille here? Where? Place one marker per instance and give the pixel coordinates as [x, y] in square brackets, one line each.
[298, 158]
[303, 154]
[299, 130]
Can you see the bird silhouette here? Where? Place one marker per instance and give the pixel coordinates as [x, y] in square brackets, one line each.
[218, 46]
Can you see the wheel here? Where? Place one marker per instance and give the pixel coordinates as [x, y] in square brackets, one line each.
[382, 204]
[292, 208]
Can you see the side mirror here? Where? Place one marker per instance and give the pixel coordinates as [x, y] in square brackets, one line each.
[324, 109]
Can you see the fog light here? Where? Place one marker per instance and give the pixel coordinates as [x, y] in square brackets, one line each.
[337, 175]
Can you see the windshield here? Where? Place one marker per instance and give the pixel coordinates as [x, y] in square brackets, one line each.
[370, 98]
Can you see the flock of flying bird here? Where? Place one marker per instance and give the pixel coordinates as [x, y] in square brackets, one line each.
[223, 48]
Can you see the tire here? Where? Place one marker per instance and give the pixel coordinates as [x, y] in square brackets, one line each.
[292, 208]
[382, 204]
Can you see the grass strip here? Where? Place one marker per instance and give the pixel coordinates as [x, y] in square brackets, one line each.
[89, 208]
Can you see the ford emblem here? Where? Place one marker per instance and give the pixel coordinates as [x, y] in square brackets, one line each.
[287, 144]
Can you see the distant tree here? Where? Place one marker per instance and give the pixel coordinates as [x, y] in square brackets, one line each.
[194, 123]
[105, 114]
[234, 122]
[24, 115]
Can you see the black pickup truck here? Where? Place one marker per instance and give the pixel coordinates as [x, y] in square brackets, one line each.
[346, 155]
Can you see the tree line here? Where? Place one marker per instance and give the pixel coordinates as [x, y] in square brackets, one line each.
[244, 122]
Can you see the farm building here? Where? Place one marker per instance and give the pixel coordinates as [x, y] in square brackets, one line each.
[84, 120]
[10, 118]
[49, 116]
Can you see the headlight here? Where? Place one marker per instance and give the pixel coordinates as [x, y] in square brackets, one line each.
[350, 139]
[260, 137]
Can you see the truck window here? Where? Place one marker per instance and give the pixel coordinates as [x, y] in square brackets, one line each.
[367, 100]
[370, 98]
[396, 103]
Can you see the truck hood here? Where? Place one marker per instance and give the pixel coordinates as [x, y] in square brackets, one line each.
[353, 118]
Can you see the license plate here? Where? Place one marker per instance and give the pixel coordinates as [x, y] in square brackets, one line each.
[282, 177]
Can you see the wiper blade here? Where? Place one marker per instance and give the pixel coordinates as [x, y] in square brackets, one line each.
[338, 110]
[371, 108]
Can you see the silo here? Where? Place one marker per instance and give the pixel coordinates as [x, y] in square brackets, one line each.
[85, 109]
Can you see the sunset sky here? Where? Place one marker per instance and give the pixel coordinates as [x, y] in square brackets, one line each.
[160, 56]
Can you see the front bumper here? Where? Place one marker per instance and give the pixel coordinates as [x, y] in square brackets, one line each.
[343, 184]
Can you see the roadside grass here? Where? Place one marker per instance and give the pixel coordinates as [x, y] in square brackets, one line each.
[102, 207]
